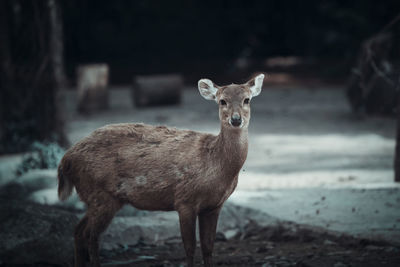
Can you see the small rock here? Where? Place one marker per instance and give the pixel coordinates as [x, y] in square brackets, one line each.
[146, 257]
[372, 247]
[337, 253]
[339, 264]
[230, 248]
[262, 249]
[109, 246]
[173, 240]
[283, 262]
[220, 237]
[392, 249]
[269, 257]
[270, 245]
[329, 242]
[231, 233]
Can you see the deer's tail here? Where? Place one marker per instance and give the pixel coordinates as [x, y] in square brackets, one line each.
[65, 185]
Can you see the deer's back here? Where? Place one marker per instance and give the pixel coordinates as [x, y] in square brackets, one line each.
[137, 163]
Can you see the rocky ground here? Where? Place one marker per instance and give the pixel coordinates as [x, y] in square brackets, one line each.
[41, 235]
[279, 245]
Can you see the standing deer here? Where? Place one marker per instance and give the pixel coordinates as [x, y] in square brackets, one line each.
[160, 168]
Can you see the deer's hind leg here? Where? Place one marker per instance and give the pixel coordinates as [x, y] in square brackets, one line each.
[101, 211]
[81, 243]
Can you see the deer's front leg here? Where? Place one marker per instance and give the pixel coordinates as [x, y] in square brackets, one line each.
[187, 220]
[208, 226]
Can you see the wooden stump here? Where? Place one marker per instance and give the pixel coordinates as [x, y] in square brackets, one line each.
[92, 82]
[156, 90]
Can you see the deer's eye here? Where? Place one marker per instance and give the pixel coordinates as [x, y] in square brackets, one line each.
[246, 101]
[222, 102]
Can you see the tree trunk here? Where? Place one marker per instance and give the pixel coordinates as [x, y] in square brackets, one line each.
[5, 65]
[397, 152]
[57, 61]
[56, 43]
[31, 63]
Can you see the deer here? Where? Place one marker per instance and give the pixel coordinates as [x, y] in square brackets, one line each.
[160, 168]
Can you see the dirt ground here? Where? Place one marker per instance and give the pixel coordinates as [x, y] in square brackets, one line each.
[281, 245]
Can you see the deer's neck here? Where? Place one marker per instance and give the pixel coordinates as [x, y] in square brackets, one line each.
[232, 149]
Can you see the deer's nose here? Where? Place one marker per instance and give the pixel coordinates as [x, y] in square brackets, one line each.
[236, 120]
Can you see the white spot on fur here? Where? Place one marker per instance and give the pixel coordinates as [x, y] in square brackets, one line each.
[124, 187]
[179, 174]
[141, 180]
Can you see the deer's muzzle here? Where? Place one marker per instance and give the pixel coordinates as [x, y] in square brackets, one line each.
[236, 120]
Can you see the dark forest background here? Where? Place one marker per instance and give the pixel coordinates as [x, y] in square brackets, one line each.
[206, 37]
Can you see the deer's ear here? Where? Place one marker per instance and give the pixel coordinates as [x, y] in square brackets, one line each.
[208, 89]
[255, 85]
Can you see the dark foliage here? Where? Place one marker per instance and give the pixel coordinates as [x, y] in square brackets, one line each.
[373, 86]
[42, 156]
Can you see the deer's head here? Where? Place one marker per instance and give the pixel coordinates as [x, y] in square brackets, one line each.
[233, 100]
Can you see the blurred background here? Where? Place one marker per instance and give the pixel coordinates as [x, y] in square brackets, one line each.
[323, 151]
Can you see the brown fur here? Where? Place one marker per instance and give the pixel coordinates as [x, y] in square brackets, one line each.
[157, 168]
